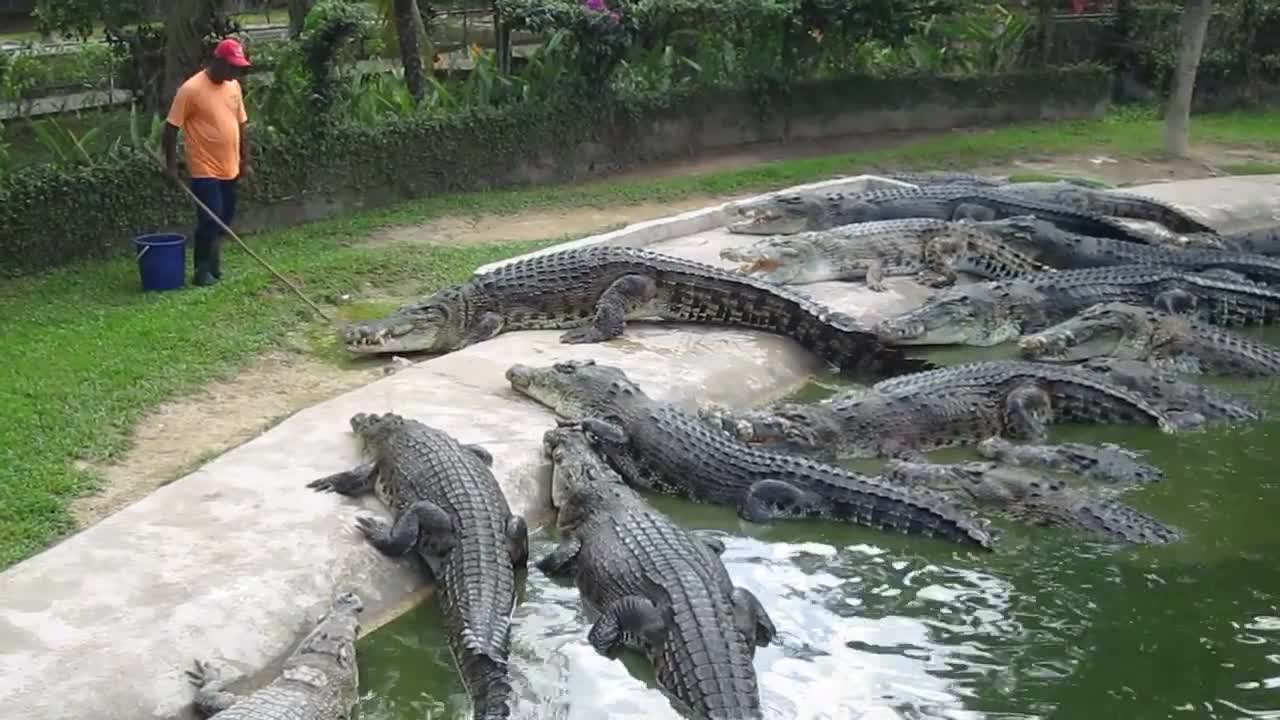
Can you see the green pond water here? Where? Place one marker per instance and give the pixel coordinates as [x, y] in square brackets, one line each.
[872, 625]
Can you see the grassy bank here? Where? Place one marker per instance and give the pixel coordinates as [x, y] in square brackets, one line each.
[85, 354]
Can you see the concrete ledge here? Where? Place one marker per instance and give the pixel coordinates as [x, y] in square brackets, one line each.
[1227, 204]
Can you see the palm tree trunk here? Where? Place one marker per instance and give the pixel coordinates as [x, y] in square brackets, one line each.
[298, 10]
[408, 24]
[1177, 118]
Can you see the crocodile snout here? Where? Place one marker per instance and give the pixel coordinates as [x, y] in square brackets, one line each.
[520, 376]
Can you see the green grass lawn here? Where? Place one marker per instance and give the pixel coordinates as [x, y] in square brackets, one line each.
[85, 354]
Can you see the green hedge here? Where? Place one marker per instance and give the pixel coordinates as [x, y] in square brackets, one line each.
[50, 216]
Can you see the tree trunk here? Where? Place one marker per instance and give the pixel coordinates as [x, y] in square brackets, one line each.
[408, 22]
[1044, 31]
[298, 10]
[186, 23]
[1177, 118]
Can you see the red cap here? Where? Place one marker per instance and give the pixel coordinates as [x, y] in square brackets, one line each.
[232, 51]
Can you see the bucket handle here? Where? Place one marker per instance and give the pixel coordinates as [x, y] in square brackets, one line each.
[145, 248]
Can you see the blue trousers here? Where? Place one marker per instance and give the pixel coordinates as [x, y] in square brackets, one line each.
[220, 197]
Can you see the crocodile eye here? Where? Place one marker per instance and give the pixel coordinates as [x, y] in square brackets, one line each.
[564, 368]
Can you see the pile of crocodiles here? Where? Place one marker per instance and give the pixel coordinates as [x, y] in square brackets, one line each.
[1116, 303]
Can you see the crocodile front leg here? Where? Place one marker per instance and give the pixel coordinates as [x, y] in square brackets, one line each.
[422, 523]
[212, 697]
[1175, 302]
[628, 622]
[518, 541]
[769, 499]
[611, 309]
[486, 327]
[1028, 409]
[875, 275]
[353, 482]
[751, 618]
[561, 562]
[485, 456]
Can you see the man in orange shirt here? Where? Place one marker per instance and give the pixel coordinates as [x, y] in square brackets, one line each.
[209, 110]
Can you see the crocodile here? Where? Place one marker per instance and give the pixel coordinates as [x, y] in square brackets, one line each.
[656, 587]
[660, 447]
[1173, 343]
[1107, 462]
[1114, 203]
[797, 212]
[319, 680]
[1050, 244]
[946, 178]
[949, 407]
[1189, 402]
[989, 313]
[449, 508]
[595, 290]
[932, 250]
[1259, 241]
[1034, 499]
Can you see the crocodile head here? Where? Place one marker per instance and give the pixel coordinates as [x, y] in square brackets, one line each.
[581, 481]
[961, 315]
[573, 389]
[333, 638]
[372, 426]
[779, 215]
[974, 482]
[794, 260]
[435, 324]
[1020, 232]
[1100, 330]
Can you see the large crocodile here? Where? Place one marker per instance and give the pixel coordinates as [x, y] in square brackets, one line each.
[657, 587]
[319, 680]
[1259, 241]
[595, 290]
[1115, 203]
[791, 213]
[1050, 244]
[1034, 499]
[948, 407]
[932, 250]
[993, 312]
[449, 508]
[1190, 402]
[661, 447]
[1176, 343]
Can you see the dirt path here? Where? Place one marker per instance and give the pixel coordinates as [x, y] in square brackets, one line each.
[180, 435]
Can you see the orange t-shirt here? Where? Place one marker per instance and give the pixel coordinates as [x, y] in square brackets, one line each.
[210, 115]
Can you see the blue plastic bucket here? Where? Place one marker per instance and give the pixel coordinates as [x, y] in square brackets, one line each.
[162, 260]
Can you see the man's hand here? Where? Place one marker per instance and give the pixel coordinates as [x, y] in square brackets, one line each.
[171, 169]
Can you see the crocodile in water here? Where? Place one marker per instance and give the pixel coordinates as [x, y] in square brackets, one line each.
[656, 587]
[792, 213]
[1034, 499]
[993, 312]
[319, 680]
[449, 508]
[948, 407]
[1189, 403]
[593, 291]
[932, 250]
[1107, 462]
[1049, 244]
[1175, 343]
[658, 446]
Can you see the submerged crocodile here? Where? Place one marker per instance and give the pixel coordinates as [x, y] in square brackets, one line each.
[657, 587]
[1190, 403]
[595, 290]
[932, 250]
[949, 407]
[1050, 244]
[1175, 343]
[990, 313]
[658, 446]
[1114, 203]
[319, 680]
[1108, 462]
[449, 508]
[1034, 499]
[791, 213]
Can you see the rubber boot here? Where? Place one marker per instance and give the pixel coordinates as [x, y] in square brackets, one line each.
[215, 258]
[203, 276]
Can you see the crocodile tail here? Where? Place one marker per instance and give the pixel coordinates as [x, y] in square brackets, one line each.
[917, 512]
[489, 686]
